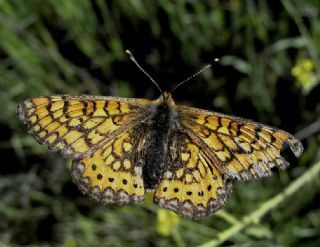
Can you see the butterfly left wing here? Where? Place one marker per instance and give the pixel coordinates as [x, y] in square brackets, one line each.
[99, 133]
[193, 187]
[241, 148]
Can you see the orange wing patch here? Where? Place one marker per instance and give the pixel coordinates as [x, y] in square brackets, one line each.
[193, 186]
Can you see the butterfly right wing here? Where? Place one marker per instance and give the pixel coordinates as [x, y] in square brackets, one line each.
[79, 125]
[242, 149]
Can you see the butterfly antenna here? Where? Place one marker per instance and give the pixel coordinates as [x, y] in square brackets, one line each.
[216, 60]
[138, 65]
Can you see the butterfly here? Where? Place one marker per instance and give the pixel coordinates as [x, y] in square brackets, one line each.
[124, 147]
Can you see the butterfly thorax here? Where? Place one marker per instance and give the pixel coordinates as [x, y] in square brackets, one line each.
[162, 120]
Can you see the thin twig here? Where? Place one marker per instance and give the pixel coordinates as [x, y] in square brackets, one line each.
[309, 130]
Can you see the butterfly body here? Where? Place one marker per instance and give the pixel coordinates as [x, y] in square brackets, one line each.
[158, 129]
[123, 147]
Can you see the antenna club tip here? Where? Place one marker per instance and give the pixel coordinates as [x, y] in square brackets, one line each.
[216, 60]
[128, 52]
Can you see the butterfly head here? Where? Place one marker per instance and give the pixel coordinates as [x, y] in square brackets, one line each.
[165, 98]
[168, 98]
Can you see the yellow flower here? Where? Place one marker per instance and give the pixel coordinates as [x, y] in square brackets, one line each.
[304, 73]
[167, 221]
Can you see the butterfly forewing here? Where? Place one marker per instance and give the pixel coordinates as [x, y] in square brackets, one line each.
[241, 148]
[78, 125]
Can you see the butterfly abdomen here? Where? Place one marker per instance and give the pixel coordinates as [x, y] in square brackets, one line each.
[158, 127]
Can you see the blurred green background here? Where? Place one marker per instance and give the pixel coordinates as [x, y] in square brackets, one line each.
[269, 71]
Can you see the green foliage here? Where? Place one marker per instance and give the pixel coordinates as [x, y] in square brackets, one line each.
[269, 71]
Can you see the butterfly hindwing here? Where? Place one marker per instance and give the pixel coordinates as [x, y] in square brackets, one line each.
[192, 186]
[113, 174]
[241, 148]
